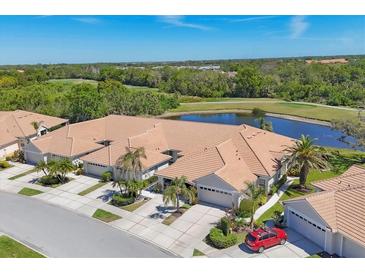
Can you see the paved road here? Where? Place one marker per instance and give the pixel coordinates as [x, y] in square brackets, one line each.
[57, 232]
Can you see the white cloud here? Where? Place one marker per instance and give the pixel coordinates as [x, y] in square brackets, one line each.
[298, 25]
[88, 20]
[178, 21]
[252, 19]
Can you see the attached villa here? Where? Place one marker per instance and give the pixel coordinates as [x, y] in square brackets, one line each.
[333, 217]
[17, 128]
[220, 160]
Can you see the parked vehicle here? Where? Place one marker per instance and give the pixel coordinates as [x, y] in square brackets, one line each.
[263, 238]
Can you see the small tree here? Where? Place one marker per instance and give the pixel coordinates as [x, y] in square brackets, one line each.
[60, 168]
[176, 190]
[131, 162]
[255, 193]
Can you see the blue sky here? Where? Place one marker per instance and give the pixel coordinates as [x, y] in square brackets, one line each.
[83, 39]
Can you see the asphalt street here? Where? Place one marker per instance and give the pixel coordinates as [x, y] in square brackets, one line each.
[60, 233]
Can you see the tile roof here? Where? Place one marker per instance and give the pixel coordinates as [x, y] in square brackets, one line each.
[18, 124]
[343, 209]
[353, 177]
[205, 147]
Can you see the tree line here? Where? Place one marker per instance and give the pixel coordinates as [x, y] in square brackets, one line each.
[290, 79]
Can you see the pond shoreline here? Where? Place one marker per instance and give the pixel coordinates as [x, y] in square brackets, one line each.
[284, 116]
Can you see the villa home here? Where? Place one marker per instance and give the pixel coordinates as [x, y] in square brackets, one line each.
[220, 160]
[17, 128]
[333, 217]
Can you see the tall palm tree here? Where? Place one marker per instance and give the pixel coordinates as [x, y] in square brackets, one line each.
[254, 193]
[131, 162]
[176, 190]
[306, 155]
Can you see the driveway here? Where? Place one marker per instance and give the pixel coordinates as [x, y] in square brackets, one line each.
[58, 232]
[296, 247]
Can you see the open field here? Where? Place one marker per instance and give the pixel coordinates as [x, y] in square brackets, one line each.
[73, 81]
[10, 248]
[304, 110]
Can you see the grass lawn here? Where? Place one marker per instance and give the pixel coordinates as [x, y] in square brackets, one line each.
[134, 206]
[272, 106]
[197, 252]
[73, 81]
[314, 256]
[10, 248]
[91, 189]
[105, 216]
[173, 217]
[22, 174]
[29, 191]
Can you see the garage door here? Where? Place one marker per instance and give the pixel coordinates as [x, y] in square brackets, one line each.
[214, 196]
[307, 228]
[95, 170]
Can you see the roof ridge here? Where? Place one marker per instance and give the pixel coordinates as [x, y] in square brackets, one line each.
[243, 137]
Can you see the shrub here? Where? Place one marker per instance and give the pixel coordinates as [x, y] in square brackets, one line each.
[48, 180]
[195, 199]
[219, 240]
[4, 164]
[18, 156]
[79, 171]
[157, 188]
[152, 180]
[257, 112]
[245, 208]
[122, 200]
[225, 226]
[275, 187]
[8, 158]
[106, 177]
[263, 200]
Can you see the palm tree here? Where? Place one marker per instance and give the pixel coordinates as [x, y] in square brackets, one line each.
[35, 125]
[306, 155]
[131, 162]
[118, 183]
[42, 166]
[176, 190]
[60, 168]
[254, 193]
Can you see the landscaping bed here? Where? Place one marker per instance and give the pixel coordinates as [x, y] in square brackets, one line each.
[29, 191]
[175, 215]
[126, 202]
[10, 248]
[105, 216]
[4, 165]
[91, 189]
[51, 181]
[135, 205]
[23, 174]
[197, 253]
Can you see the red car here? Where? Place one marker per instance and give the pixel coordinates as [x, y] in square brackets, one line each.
[262, 238]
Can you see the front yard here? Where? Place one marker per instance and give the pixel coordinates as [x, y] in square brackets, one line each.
[10, 248]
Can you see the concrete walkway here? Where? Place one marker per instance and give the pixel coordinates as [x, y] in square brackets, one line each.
[274, 198]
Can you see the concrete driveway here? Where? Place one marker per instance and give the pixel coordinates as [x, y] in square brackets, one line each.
[296, 247]
[58, 232]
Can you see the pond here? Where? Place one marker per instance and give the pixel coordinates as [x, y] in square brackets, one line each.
[323, 135]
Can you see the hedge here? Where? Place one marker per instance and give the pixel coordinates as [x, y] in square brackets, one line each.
[218, 240]
[121, 200]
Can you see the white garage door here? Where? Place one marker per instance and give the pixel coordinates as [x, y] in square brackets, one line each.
[214, 196]
[95, 170]
[307, 228]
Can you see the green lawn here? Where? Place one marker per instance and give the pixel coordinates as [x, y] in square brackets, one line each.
[173, 217]
[105, 216]
[197, 252]
[22, 174]
[272, 106]
[73, 81]
[10, 248]
[134, 206]
[91, 189]
[29, 191]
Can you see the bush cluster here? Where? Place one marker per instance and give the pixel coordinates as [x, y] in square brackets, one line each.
[106, 177]
[122, 200]
[48, 180]
[219, 240]
[4, 164]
